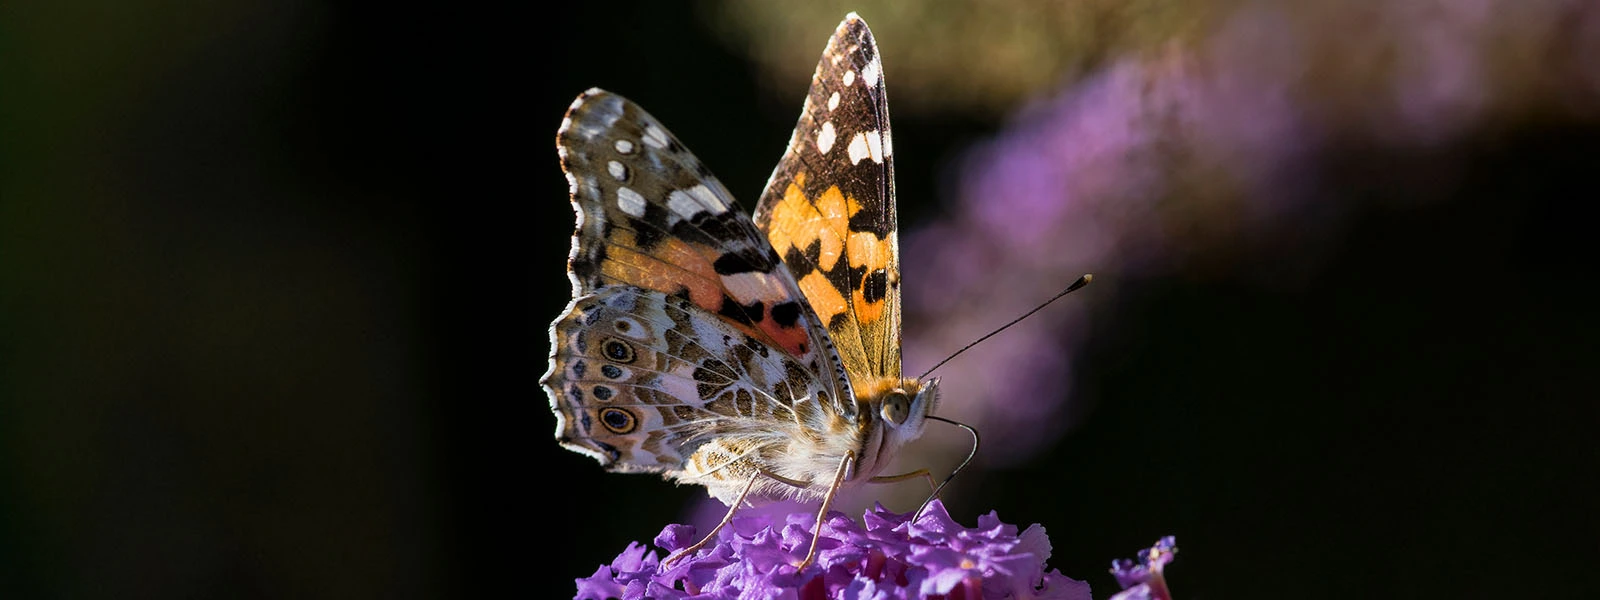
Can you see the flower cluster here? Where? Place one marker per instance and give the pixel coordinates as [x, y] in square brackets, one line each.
[887, 556]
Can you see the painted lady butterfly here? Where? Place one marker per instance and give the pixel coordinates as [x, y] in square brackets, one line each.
[749, 355]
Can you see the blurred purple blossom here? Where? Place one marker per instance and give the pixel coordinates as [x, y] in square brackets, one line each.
[1192, 156]
[1142, 578]
[888, 557]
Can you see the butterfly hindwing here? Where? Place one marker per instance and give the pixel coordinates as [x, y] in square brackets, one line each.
[829, 208]
[649, 382]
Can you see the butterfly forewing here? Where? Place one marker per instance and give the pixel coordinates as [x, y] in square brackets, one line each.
[651, 215]
[829, 209]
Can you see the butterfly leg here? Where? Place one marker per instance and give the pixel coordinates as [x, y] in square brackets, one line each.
[822, 513]
[727, 518]
[827, 501]
[923, 473]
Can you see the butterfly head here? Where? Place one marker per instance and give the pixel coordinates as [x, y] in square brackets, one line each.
[904, 408]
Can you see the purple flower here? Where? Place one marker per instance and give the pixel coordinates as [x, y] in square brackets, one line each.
[1141, 577]
[885, 556]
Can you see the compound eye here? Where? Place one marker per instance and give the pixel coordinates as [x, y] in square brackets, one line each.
[896, 407]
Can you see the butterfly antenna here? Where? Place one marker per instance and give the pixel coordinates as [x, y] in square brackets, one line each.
[970, 456]
[1082, 281]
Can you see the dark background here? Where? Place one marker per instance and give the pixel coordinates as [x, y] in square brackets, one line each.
[277, 280]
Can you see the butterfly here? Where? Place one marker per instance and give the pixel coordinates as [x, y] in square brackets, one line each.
[758, 356]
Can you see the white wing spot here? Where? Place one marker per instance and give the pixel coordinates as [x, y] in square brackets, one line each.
[630, 202]
[858, 148]
[617, 170]
[752, 286]
[709, 199]
[654, 136]
[623, 146]
[684, 205]
[871, 72]
[849, 78]
[833, 101]
[825, 137]
[597, 117]
[888, 145]
[875, 146]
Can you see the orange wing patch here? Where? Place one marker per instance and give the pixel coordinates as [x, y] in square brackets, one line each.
[674, 265]
[623, 263]
[825, 298]
[872, 255]
[852, 297]
[798, 222]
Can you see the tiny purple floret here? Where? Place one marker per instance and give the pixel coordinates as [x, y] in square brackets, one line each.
[1141, 578]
